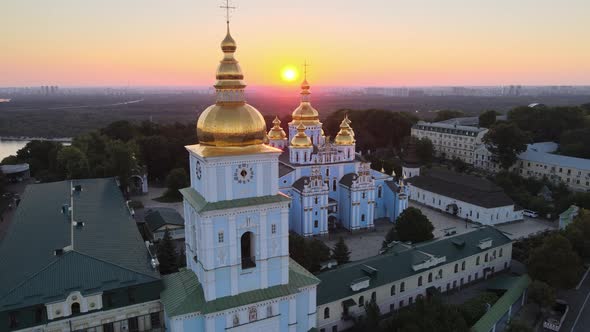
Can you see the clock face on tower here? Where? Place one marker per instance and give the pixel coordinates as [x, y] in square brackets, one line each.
[198, 170]
[243, 174]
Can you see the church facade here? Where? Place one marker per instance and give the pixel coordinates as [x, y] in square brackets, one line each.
[331, 186]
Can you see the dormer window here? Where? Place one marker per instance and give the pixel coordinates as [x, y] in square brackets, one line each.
[75, 308]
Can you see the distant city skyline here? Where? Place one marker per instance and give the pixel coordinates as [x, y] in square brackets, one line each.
[374, 43]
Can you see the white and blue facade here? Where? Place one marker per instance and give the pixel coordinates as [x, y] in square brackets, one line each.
[352, 195]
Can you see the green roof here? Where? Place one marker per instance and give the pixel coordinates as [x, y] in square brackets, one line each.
[485, 323]
[183, 293]
[199, 203]
[108, 251]
[397, 263]
[158, 217]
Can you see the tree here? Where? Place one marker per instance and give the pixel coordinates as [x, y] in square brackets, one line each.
[578, 233]
[447, 114]
[120, 161]
[10, 160]
[413, 226]
[516, 325]
[487, 118]
[340, 252]
[425, 150]
[119, 130]
[315, 252]
[505, 141]
[542, 294]
[555, 262]
[426, 316]
[575, 143]
[40, 155]
[389, 237]
[372, 317]
[167, 255]
[176, 180]
[474, 308]
[73, 162]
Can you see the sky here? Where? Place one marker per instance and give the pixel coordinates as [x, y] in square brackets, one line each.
[347, 43]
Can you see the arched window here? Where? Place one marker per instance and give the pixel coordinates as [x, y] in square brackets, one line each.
[392, 291]
[305, 156]
[485, 259]
[247, 250]
[374, 296]
[440, 273]
[327, 172]
[334, 185]
[269, 311]
[326, 313]
[494, 253]
[456, 268]
[361, 301]
[297, 156]
[252, 314]
[477, 261]
[362, 217]
[316, 200]
[501, 252]
[430, 277]
[420, 281]
[402, 287]
[75, 308]
[379, 192]
[463, 266]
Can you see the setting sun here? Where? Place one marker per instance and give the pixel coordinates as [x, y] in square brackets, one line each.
[289, 74]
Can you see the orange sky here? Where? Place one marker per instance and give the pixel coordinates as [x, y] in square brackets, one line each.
[349, 43]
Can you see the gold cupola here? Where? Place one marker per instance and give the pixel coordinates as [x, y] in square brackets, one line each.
[301, 140]
[346, 134]
[305, 113]
[230, 122]
[276, 132]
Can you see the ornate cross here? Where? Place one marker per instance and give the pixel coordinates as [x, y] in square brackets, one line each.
[305, 65]
[227, 8]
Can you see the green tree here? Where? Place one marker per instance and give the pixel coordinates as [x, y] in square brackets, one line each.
[474, 308]
[426, 316]
[10, 160]
[487, 118]
[40, 155]
[120, 130]
[372, 316]
[120, 161]
[578, 233]
[505, 141]
[297, 248]
[542, 294]
[555, 262]
[425, 150]
[315, 252]
[73, 162]
[167, 255]
[176, 180]
[447, 114]
[516, 325]
[340, 252]
[156, 153]
[575, 143]
[413, 226]
[389, 237]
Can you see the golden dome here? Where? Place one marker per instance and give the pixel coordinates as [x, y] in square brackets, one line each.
[276, 132]
[301, 140]
[345, 135]
[230, 122]
[305, 113]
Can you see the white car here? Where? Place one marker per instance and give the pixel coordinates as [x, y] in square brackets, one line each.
[530, 213]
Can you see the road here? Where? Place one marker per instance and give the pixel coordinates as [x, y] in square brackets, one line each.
[578, 318]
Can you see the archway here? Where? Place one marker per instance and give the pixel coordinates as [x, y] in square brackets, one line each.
[75, 308]
[247, 250]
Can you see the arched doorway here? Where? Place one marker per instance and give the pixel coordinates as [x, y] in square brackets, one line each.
[247, 250]
[75, 308]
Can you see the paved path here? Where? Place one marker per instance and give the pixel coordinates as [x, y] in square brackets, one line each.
[155, 192]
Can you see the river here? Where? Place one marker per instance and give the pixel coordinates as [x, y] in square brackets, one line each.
[9, 147]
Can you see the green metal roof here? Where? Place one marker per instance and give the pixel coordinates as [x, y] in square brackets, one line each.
[158, 217]
[485, 323]
[108, 251]
[199, 203]
[183, 293]
[397, 263]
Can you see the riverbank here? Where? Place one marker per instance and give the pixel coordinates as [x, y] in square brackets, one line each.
[28, 139]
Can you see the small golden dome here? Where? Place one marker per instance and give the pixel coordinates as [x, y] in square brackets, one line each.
[345, 135]
[305, 113]
[276, 132]
[231, 125]
[228, 44]
[301, 140]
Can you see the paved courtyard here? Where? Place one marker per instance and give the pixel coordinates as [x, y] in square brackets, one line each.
[367, 244]
[155, 192]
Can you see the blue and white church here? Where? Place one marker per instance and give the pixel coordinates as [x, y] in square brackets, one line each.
[330, 184]
[239, 276]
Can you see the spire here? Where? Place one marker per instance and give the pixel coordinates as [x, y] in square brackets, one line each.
[305, 112]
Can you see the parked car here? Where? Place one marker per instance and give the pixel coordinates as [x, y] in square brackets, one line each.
[557, 316]
[530, 213]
